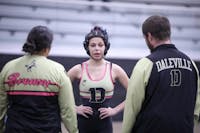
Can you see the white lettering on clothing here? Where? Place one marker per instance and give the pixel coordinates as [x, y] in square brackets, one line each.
[168, 63]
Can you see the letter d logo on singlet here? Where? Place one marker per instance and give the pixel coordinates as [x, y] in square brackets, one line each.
[97, 95]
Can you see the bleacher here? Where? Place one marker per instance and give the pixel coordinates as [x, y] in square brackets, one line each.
[71, 20]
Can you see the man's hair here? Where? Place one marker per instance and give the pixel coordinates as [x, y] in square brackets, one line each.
[39, 38]
[96, 32]
[158, 26]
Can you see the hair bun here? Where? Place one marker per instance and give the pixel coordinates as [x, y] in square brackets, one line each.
[29, 47]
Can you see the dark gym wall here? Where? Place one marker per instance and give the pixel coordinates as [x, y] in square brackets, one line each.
[68, 62]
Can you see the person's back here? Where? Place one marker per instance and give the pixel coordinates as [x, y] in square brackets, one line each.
[36, 93]
[32, 85]
[163, 93]
[170, 94]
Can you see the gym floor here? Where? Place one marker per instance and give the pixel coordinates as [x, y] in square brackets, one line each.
[117, 127]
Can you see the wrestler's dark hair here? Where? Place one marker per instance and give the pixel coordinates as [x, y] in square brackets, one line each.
[97, 32]
[39, 38]
[158, 26]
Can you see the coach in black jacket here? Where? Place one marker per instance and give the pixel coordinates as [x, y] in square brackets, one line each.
[164, 90]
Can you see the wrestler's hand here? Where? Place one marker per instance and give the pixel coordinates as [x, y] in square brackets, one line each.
[106, 112]
[84, 110]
